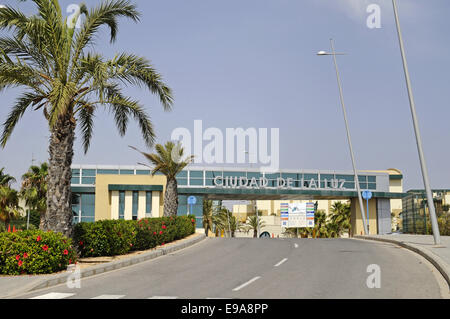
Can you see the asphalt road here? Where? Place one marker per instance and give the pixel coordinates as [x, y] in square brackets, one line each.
[264, 268]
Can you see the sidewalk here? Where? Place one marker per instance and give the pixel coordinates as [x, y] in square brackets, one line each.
[424, 245]
[16, 285]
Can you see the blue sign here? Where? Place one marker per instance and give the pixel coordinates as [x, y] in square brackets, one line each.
[192, 200]
[367, 195]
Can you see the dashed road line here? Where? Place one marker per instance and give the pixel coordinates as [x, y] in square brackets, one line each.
[54, 295]
[281, 262]
[246, 284]
[109, 297]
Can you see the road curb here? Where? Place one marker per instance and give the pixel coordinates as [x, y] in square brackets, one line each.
[103, 268]
[437, 262]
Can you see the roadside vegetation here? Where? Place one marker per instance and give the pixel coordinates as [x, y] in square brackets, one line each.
[62, 77]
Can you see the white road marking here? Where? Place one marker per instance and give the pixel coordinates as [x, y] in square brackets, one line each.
[163, 297]
[218, 298]
[109, 297]
[295, 245]
[281, 262]
[54, 295]
[246, 284]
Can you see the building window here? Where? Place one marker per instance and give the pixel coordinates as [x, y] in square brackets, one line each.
[83, 208]
[135, 205]
[148, 204]
[121, 205]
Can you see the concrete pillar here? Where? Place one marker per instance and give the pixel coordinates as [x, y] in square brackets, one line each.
[128, 214]
[356, 220]
[141, 205]
[155, 204]
[115, 205]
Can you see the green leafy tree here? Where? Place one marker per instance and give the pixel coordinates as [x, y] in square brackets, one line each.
[169, 161]
[9, 204]
[224, 221]
[207, 215]
[340, 216]
[34, 190]
[5, 179]
[254, 224]
[67, 81]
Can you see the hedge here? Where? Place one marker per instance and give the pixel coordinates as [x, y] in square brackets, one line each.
[34, 252]
[118, 237]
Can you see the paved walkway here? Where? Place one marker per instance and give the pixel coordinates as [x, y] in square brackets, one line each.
[439, 255]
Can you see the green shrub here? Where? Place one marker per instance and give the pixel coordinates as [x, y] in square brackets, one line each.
[34, 252]
[104, 238]
[152, 232]
[118, 237]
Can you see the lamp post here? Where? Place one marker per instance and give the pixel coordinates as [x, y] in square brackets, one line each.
[341, 95]
[423, 165]
[254, 203]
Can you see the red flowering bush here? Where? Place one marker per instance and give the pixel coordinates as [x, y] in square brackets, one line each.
[104, 238]
[34, 252]
[152, 232]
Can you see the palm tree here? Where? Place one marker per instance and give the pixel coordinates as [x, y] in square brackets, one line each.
[254, 224]
[9, 204]
[341, 214]
[5, 179]
[68, 82]
[169, 161]
[320, 223]
[207, 215]
[34, 190]
[224, 220]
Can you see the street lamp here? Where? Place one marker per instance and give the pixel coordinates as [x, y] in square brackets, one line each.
[423, 165]
[254, 203]
[341, 95]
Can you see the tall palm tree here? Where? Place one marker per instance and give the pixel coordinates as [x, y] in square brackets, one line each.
[5, 179]
[169, 161]
[68, 82]
[34, 190]
[9, 204]
[254, 224]
[207, 215]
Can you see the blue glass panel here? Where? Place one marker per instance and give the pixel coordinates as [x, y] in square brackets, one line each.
[182, 181]
[108, 171]
[212, 174]
[308, 177]
[121, 205]
[135, 204]
[148, 202]
[126, 172]
[142, 172]
[89, 172]
[196, 174]
[75, 180]
[75, 172]
[372, 179]
[362, 178]
[88, 180]
[196, 182]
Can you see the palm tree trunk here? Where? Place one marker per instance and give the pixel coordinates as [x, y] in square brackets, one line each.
[59, 214]
[171, 198]
[255, 233]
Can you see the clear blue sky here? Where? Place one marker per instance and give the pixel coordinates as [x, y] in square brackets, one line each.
[252, 63]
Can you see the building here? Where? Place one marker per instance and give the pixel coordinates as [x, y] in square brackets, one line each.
[415, 216]
[129, 192]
